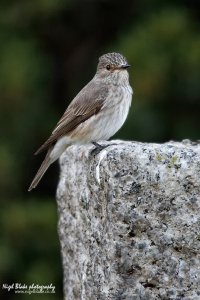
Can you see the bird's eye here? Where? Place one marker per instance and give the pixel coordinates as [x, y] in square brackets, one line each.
[108, 67]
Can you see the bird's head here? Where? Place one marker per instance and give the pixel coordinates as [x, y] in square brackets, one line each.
[112, 63]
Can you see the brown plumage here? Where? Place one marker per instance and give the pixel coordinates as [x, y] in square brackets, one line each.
[86, 104]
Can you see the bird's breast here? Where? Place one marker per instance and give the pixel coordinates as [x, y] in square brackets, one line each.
[113, 113]
[115, 110]
[109, 119]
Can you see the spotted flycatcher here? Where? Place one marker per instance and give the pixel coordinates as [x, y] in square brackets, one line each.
[96, 113]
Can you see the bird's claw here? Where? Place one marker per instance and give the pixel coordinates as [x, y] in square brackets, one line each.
[98, 148]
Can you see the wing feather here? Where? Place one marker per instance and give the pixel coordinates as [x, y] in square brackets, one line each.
[86, 104]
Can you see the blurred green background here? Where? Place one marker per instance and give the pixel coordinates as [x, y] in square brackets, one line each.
[48, 52]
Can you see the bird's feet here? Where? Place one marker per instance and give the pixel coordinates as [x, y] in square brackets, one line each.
[98, 148]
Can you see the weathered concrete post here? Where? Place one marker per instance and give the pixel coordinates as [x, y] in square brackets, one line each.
[129, 221]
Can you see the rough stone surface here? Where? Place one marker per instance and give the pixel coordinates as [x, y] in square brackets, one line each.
[129, 221]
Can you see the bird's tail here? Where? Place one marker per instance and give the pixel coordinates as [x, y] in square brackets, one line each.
[44, 166]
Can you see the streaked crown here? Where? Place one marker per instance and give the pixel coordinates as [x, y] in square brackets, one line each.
[112, 59]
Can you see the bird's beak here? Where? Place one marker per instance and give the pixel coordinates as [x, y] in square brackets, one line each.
[125, 66]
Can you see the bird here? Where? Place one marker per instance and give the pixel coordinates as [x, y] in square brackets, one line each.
[97, 112]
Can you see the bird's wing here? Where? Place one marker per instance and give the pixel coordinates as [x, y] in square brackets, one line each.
[86, 104]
